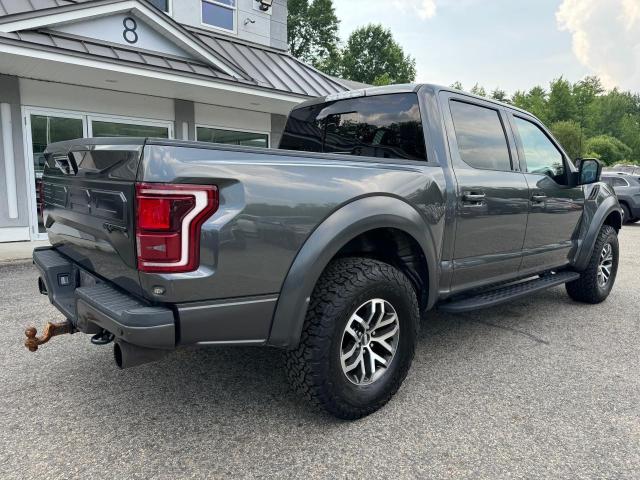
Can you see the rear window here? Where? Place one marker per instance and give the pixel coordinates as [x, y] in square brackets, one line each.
[616, 181]
[385, 126]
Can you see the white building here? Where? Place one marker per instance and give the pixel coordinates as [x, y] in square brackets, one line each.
[210, 70]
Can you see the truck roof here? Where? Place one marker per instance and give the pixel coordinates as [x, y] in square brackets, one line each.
[401, 88]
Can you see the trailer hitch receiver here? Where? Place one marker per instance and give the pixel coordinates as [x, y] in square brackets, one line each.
[50, 330]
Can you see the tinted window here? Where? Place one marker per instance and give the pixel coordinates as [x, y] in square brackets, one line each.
[386, 126]
[481, 139]
[540, 153]
[303, 131]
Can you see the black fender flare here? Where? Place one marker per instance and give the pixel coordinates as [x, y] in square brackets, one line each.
[328, 238]
[599, 205]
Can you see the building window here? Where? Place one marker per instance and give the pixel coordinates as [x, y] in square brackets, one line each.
[232, 137]
[119, 129]
[164, 5]
[219, 14]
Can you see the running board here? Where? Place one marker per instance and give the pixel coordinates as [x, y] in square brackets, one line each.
[507, 293]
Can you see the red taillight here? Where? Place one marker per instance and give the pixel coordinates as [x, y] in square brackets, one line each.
[169, 219]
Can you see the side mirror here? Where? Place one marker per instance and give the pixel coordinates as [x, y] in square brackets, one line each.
[589, 170]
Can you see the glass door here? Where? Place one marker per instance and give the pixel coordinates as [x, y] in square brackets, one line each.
[44, 128]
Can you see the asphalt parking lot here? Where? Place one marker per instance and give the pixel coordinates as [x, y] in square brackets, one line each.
[540, 388]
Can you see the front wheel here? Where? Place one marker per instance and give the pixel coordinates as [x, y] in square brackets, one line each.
[597, 280]
[358, 338]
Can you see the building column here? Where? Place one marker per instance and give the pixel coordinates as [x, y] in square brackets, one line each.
[278, 122]
[185, 119]
[14, 195]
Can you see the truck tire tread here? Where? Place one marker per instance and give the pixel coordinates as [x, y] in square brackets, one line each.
[307, 365]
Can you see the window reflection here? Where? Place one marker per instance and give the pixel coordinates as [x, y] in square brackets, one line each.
[481, 139]
[540, 153]
[386, 126]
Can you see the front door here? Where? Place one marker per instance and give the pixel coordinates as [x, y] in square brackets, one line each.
[492, 197]
[44, 127]
[555, 206]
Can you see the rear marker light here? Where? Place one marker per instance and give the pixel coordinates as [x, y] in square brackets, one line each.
[169, 221]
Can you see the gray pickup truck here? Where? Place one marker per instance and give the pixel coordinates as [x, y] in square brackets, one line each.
[379, 206]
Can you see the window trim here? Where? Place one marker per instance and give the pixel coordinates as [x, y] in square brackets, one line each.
[221, 29]
[503, 122]
[568, 166]
[230, 129]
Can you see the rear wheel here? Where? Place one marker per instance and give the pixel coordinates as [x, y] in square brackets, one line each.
[358, 338]
[597, 280]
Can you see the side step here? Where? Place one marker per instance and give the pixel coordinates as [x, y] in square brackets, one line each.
[507, 293]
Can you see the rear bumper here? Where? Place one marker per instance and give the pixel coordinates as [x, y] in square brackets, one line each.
[91, 304]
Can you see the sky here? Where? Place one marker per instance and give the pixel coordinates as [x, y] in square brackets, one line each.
[510, 44]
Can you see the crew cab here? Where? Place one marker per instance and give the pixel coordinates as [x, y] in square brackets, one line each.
[380, 206]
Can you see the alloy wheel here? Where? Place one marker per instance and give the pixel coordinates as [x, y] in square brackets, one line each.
[605, 267]
[369, 341]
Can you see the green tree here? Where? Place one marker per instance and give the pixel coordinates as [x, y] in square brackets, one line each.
[312, 30]
[372, 56]
[561, 104]
[479, 90]
[630, 134]
[500, 95]
[569, 134]
[608, 149]
[534, 101]
[457, 85]
[606, 112]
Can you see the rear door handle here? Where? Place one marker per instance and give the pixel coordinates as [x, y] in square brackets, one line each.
[473, 198]
[538, 198]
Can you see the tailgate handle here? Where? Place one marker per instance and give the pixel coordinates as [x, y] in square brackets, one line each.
[110, 227]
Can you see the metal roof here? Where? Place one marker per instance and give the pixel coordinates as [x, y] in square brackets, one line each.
[272, 68]
[81, 46]
[12, 7]
[261, 66]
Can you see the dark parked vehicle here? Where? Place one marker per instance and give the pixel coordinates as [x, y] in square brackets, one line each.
[627, 188]
[380, 205]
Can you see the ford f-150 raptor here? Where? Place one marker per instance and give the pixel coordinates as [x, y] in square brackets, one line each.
[380, 205]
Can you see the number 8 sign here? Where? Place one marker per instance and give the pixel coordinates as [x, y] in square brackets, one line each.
[130, 26]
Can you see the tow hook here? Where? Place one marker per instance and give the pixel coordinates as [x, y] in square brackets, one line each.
[50, 330]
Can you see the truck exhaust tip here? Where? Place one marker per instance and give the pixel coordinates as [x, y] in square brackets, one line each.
[127, 355]
[50, 330]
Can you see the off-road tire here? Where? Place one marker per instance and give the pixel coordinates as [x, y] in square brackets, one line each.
[314, 367]
[586, 288]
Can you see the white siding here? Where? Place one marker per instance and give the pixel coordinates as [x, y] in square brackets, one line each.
[93, 100]
[232, 118]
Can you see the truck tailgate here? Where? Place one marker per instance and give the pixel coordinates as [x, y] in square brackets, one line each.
[89, 194]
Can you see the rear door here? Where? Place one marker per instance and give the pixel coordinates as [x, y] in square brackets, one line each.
[555, 206]
[492, 193]
[89, 194]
